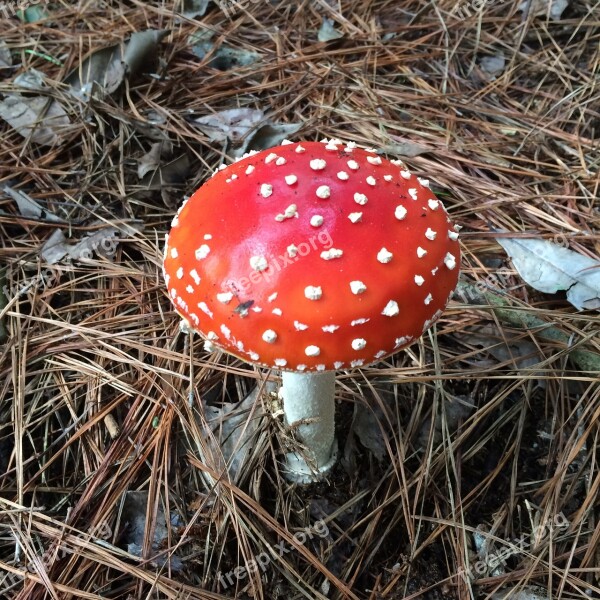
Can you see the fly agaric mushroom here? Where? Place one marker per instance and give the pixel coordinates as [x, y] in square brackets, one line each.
[308, 258]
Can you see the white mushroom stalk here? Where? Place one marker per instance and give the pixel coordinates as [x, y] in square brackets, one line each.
[309, 408]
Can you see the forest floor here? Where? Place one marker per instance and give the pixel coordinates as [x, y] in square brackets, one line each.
[469, 462]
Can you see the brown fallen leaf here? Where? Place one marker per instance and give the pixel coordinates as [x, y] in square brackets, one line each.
[492, 66]
[99, 74]
[233, 431]
[55, 248]
[232, 124]
[5, 56]
[28, 207]
[222, 57]
[103, 71]
[38, 118]
[550, 267]
[328, 32]
[173, 172]
[151, 160]
[266, 135]
[31, 80]
[552, 8]
[194, 8]
[168, 179]
[504, 346]
[405, 148]
[102, 243]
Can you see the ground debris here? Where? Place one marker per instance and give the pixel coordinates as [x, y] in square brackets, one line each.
[37, 118]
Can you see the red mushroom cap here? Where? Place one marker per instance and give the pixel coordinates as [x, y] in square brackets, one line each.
[312, 256]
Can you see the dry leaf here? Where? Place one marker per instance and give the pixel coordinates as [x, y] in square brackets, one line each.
[135, 513]
[493, 66]
[234, 428]
[367, 425]
[141, 50]
[548, 268]
[32, 80]
[102, 243]
[454, 410]
[327, 32]
[171, 173]
[505, 347]
[99, 74]
[151, 160]
[194, 8]
[370, 424]
[149, 126]
[5, 56]
[266, 136]
[553, 8]
[527, 593]
[232, 124]
[405, 148]
[55, 248]
[103, 71]
[38, 118]
[28, 207]
[224, 57]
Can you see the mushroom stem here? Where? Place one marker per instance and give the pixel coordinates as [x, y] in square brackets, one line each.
[309, 407]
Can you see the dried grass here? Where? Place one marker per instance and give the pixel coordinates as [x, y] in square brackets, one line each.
[98, 346]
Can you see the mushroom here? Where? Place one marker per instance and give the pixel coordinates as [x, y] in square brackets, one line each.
[308, 258]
